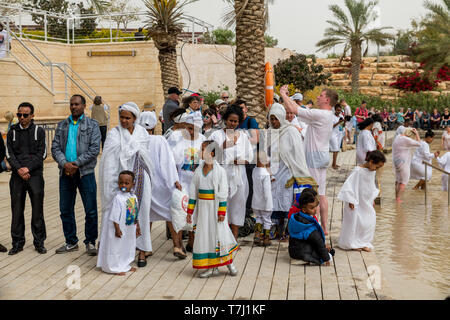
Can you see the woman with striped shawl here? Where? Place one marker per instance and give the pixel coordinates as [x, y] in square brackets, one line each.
[126, 148]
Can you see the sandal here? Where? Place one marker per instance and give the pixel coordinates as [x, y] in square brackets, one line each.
[142, 262]
[177, 252]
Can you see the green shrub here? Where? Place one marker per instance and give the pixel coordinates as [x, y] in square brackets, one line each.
[421, 101]
[212, 95]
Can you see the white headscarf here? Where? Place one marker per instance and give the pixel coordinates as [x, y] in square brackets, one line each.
[195, 118]
[148, 119]
[290, 147]
[180, 118]
[132, 107]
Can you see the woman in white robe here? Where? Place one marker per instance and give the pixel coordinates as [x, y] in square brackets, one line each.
[365, 142]
[359, 216]
[126, 148]
[401, 158]
[421, 154]
[444, 162]
[336, 135]
[290, 173]
[165, 180]
[235, 152]
[186, 152]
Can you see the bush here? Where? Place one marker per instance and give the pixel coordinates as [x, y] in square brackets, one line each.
[421, 101]
[414, 81]
[299, 72]
[212, 95]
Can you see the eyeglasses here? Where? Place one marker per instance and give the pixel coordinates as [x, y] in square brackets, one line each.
[225, 97]
[25, 115]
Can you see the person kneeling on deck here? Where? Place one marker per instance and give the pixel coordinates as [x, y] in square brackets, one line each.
[306, 236]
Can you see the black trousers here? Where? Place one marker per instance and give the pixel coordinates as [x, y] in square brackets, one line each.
[249, 170]
[18, 190]
[103, 131]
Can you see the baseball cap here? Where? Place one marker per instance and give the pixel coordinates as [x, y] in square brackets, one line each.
[174, 90]
[297, 96]
[218, 102]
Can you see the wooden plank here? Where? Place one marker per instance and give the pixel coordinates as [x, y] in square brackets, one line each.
[313, 286]
[266, 272]
[245, 288]
[360, 276]
[297, 275]
[377, 279]
[280, 281]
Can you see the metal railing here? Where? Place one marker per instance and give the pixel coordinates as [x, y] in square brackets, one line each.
[426, 176]
[20, 16]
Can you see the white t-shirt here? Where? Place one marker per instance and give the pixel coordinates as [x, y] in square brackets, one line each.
[317, 139]
[4, 44]
[347, 110]
[262, 190]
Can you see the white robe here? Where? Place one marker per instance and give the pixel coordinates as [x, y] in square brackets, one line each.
[164, 178]
[120, 152]
[236, 174]
[358, 225]
[417, 168]
[116, 254]
[336, 136]
[214, 242]
[365, 143]
[262, 190]
[401, 157]
[444, 162]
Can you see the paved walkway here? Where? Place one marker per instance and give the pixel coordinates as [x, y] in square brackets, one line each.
[264, 273]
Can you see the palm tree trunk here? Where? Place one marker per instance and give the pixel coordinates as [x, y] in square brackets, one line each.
[169, 71]
[250, 57]
[356, 66]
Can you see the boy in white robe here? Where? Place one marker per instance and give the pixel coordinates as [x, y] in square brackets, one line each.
[336, 135]
[262, 203]
[366, 142]
[444, 162]
[214, 242]
[358, 194]
[422, 154]
[119, 230]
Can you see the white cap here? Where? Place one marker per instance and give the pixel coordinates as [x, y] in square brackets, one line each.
[218, 102]
[298, 96]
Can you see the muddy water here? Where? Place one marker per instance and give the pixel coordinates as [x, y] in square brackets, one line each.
[411, 240]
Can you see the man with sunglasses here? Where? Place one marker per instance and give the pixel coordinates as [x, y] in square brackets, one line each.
[26, 151]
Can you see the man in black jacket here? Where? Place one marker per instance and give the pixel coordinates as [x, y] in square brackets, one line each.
[2, 156]
[26, 152]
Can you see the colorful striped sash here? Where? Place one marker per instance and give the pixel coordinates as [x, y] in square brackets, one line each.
[206, 194]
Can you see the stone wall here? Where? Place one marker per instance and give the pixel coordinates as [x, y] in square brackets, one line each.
[375, 77]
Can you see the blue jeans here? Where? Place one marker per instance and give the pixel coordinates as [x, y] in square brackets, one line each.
[67, 194]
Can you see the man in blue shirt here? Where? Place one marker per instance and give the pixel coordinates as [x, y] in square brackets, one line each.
[250, 126]
[75, 148]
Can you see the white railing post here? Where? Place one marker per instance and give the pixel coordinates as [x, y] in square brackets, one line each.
[110, 29]
[426, 178]
[193, 27]
[20, 22]
[73, 30]
[45, 26]
[68, 30]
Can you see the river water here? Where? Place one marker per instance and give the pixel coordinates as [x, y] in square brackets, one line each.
[411, 240]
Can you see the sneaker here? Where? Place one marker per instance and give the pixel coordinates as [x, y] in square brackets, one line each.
[232, 269]
[67, 248]
[209, 273]
[91, 250]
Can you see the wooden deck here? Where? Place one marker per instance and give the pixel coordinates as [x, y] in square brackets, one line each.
[264, 273]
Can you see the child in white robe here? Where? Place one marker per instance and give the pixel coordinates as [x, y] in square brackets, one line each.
[207, 208]
[444, 162]
[358, 194]
[336, 135]
[262, 203]
[422, 154]
[120, 227]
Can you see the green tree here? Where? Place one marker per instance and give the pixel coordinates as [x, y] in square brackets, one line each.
[57, 27]
[303, 74]
[434, 40]
[164, 24]
[353, 30]
[270, 41]
[220, 36]
[87, 26]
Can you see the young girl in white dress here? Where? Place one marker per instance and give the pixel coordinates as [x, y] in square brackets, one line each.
[336, 135]
[120, 227]
[236, 152]
[207, 208]
[358, 194]
[444, 162]
[422, 154]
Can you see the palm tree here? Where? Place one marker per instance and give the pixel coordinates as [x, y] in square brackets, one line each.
[434, 44]
[353, 30]
[250, 17]
[164, 24]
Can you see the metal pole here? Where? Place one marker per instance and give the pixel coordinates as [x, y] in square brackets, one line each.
[448, 189]
[45, 26]
[8, 36]
[426, 175]
[51, 77]
[193, 27]
[20, 22]
[65, 82]
[110, 29]
[73, 31]
[68, 31]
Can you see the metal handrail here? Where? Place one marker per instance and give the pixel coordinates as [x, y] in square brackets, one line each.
[426, 176]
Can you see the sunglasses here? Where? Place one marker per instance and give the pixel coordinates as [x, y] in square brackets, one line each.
[25, 115]
[225, 97]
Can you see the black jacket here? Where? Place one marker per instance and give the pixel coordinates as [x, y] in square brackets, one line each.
[26, 148]
[2, 149]
[311, 250]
